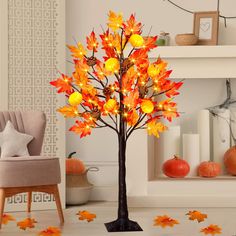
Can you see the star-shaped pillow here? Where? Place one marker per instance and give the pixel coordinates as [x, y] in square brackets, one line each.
[13, 143]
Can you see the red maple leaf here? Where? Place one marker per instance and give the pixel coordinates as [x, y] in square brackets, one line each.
[173, 90]
[150, 42]
[138, 56]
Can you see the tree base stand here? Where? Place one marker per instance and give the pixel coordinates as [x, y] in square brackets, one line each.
[122, 225]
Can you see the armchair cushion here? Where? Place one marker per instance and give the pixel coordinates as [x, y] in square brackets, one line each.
[25, 171]
[14, 143]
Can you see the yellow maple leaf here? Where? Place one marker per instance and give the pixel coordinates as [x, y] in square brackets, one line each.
[115, 21]
[196, 215]
[26, 223]
[154, 128]
[86, 215]
[212, 230]
[69, 111]
[6, 218]
[50, 231]
[165, 221]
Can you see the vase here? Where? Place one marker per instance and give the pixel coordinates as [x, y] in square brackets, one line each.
[78, 188]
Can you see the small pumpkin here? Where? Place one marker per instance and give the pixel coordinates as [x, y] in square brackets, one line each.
[74, 165]
[110, 104]
[230, 160]
[136, 40]
[147, 106]
[209, 169]
[112, 65]
[176, 168]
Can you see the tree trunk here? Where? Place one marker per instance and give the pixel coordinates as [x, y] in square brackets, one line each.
[122, 223]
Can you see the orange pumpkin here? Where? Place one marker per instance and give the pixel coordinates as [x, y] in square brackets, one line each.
[209, 169]
[74, 165]
[230, 160]
[176, 168]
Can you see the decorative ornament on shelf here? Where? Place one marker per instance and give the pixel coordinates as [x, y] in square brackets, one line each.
[223, 131]
[78, 188]
[176, 168]
[126, 104]
[230, 160]
[186, 39]
[163, 39]
[209, 169]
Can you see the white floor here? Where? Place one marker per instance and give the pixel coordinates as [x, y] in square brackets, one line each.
[224, 217]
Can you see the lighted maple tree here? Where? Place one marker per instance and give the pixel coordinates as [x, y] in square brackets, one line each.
[119, 91]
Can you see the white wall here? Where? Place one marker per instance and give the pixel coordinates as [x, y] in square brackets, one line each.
[101, 147]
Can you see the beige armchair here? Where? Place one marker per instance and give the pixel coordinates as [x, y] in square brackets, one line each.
[34, 173]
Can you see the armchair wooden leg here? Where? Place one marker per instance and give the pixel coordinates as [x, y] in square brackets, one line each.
[29, 201]
[58, 203]
[2, 203]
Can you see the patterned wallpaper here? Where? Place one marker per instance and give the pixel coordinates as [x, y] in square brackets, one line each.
[32, 65]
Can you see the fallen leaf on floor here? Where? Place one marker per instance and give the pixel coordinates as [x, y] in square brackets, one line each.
[6, 218]
[50, 231]
[212, 230]
[86, 215]
[26, 223]
[165, 221]
[196, 215]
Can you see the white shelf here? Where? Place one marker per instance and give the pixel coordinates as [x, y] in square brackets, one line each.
[222, 177]
[220, 51]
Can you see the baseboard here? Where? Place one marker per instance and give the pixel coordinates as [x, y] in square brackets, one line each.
[104, 193]
[182, 201]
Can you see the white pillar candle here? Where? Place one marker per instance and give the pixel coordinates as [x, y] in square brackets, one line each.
[221, 135]
[168, 145]
[233, 126]
[191, 152]
[203, 122]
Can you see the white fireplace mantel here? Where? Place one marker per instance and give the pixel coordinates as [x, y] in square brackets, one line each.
[199, 61]
[144, 189]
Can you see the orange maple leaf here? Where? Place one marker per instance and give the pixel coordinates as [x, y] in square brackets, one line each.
[168, 109]
[154, 128]
[100, 71]
[86, 215]
[26, 223]
[196, 215]
[132, 117]
[63, 84]
[92, 43]
[131, 26]
[69, 111]
[131, 100]
[128, 78]
[82, 128]
[6, 218]
[115, 21]
[165, 221]
[212, 230]
[77, 51]
[50, 231]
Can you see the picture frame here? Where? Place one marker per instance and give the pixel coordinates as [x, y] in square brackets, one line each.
[206, 27]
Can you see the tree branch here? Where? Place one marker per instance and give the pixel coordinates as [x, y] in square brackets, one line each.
[110, 126]
[138, 122]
